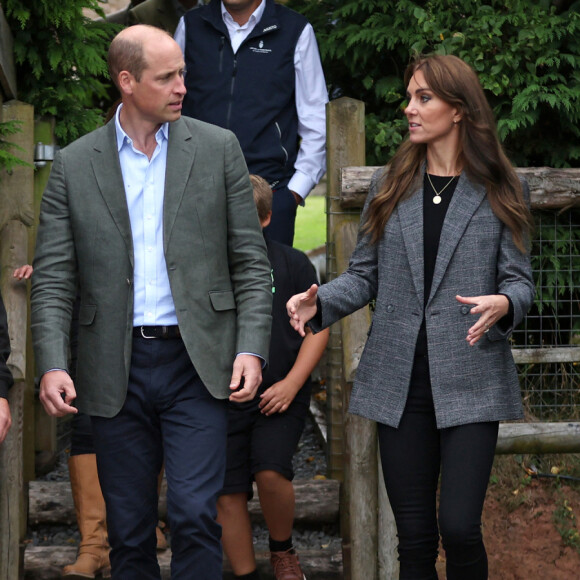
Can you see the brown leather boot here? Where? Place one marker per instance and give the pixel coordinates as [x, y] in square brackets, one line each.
[93, 555]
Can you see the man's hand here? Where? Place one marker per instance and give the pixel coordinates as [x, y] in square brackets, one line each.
[297, 198]
[57, 392]
[248, 367]
[5, 418]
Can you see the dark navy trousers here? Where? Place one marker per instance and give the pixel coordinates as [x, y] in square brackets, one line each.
[281, 228]
[168, 416]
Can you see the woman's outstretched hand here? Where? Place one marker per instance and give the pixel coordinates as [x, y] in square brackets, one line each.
[301, 308]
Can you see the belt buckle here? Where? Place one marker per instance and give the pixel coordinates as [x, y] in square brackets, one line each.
[144, 335]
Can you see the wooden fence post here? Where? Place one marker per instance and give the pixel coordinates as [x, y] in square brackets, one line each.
[15, 215]
[350, 437]
[45, 441]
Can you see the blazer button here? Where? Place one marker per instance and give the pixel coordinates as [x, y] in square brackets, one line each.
[390, 308]
[465, 309]
[128, 282]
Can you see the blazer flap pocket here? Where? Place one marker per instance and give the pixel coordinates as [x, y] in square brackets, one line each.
[87, 314]
[222, 300]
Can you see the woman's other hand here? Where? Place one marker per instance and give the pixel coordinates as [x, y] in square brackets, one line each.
[491, 308]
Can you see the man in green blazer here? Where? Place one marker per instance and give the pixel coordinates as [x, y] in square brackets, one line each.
[151, 220]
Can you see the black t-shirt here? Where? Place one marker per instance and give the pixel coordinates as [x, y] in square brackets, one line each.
[292, 272]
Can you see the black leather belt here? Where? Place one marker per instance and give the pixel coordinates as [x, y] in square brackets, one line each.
[156, 332]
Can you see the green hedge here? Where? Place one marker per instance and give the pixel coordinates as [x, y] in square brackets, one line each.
[526, 52]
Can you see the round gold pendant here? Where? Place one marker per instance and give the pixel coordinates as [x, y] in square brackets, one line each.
[437, 200]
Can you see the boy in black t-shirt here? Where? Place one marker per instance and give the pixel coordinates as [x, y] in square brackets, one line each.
[263, 434]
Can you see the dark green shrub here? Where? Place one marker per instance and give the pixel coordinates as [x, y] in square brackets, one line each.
[526, 52]
[60, 58]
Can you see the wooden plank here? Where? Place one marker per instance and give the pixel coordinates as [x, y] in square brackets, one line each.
[564, 354]
[46, 563]
[7, 73]
[549, 188]
[50, 502]
[537, 438]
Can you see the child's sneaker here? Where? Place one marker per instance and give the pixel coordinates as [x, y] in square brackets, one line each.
[286, 565]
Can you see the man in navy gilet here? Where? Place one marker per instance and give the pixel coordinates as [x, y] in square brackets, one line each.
[253, 67]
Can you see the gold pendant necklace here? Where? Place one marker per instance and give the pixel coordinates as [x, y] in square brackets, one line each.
[437, 197]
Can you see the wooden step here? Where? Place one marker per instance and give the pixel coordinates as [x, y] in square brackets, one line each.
[46, 563]
[317, 503]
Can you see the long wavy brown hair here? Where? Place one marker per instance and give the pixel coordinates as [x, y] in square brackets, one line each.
[480, 153]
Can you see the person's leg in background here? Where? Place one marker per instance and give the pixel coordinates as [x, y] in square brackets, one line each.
[93, 554]
[233, 514]
[281, 228]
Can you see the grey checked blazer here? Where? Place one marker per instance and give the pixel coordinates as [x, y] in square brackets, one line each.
[476, 256]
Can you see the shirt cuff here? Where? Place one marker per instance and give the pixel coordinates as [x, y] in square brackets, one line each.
[301, 184]
[254, 354]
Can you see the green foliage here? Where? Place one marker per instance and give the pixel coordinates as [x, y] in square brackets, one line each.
[565, 520]
[527, 56]
[8, 160]
[60, 57]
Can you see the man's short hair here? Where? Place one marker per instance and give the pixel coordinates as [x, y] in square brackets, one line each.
[262, 196]
[126, 53]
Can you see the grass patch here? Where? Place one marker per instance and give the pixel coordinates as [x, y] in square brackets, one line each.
[310, 229]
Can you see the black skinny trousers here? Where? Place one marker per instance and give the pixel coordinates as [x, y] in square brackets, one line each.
[413, 456]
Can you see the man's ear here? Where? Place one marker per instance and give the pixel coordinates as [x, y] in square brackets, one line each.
[126, 82]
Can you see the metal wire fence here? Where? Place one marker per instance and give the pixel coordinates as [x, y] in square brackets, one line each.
[551, 390]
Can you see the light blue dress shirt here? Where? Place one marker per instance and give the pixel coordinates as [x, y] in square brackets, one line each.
[144, 181]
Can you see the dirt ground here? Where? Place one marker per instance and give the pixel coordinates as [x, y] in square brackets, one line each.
[520, 528]
[525, 543]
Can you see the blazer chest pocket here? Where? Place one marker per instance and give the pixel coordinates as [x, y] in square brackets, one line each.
[223, 300]
[87, 313]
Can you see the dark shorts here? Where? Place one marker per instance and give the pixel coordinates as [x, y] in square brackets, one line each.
[257, 442]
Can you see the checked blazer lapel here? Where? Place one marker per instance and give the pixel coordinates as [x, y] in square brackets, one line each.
[181, 150]
[109, 178]
[411, 219]
[464, 203]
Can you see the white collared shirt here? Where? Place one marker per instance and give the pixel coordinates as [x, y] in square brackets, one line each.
[144, 182]
[311, 97]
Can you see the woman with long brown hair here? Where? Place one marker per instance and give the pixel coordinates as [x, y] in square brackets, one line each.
[443, 249]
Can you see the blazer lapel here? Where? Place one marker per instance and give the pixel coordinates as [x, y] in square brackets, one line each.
[181, 150]
[465, 201]
[109, 178]
[411, 218]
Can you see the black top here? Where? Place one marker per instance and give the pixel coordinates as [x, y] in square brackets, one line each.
[292, 272]
[433, 218]
[6, 379]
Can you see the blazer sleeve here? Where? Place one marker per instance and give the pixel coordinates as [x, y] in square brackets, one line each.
[248, 258]
[514, 279]
[55, 276]
[357, 286]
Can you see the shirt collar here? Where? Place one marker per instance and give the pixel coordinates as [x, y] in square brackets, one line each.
[122, 137]
[254, 18]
